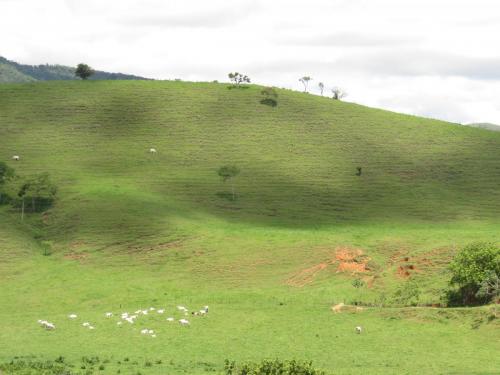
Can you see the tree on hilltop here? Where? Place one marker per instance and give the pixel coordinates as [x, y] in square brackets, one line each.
[237, 79]
[305, 81]
[84, 71]
[321, 87]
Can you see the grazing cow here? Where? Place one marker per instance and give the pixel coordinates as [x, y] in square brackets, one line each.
[359, 329]
[16, 158]
[152, 150]
[184, 322]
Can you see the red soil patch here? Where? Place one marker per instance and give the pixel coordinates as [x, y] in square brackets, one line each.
[349, 260]
[351, 267]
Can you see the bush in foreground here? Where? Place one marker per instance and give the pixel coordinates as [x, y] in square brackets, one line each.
[272, 367]
[473, 268]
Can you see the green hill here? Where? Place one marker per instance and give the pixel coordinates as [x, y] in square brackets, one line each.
[133, 229]
[11, 71]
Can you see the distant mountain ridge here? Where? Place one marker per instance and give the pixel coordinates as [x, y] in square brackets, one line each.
[11, 71]
[485, 125]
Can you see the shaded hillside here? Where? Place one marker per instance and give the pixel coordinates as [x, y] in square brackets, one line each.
[298, 160]
[11, 71]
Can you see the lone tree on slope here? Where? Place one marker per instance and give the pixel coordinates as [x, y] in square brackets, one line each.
[237, 79]
[84, 71]
[305, 81]
[321, 87]
[228, 172]
[338, 93]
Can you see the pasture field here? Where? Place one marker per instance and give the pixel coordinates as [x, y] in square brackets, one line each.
[131, 229]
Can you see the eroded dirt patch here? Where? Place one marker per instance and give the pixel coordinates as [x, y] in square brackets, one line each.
[351, 260]
[345, 259]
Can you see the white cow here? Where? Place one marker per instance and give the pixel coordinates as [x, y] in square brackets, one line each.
[359, 329]
[184, 322]
[152, 150]
[16, 158]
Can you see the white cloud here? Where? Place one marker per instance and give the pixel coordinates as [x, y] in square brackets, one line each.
[437, 58]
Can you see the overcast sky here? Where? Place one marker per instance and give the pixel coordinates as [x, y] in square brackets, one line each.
[436, 58]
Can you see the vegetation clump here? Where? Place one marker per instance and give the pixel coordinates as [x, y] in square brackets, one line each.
[270, 96]
[475, 272]
[272, 367]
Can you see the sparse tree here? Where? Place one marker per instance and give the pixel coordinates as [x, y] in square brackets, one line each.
[6, 173]
[229, 172]
[84, 71]
[37, 189]
[338, 93]
[42, 190]
[22, 195]
[237, 79]
[490, 288]
[305, 81]
[321, 87]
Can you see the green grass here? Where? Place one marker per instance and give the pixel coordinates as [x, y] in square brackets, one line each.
[131, 229]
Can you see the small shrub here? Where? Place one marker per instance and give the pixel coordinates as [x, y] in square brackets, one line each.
[46, 247]
[358, 283]
[407, 294]
[270, 96]
[59, 359]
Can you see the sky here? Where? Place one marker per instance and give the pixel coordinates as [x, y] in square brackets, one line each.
[438, 58]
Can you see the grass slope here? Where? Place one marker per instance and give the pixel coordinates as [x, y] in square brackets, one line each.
[131, 229]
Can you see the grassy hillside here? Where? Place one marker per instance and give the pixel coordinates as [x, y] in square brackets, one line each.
[132, 229]
[11, 71]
